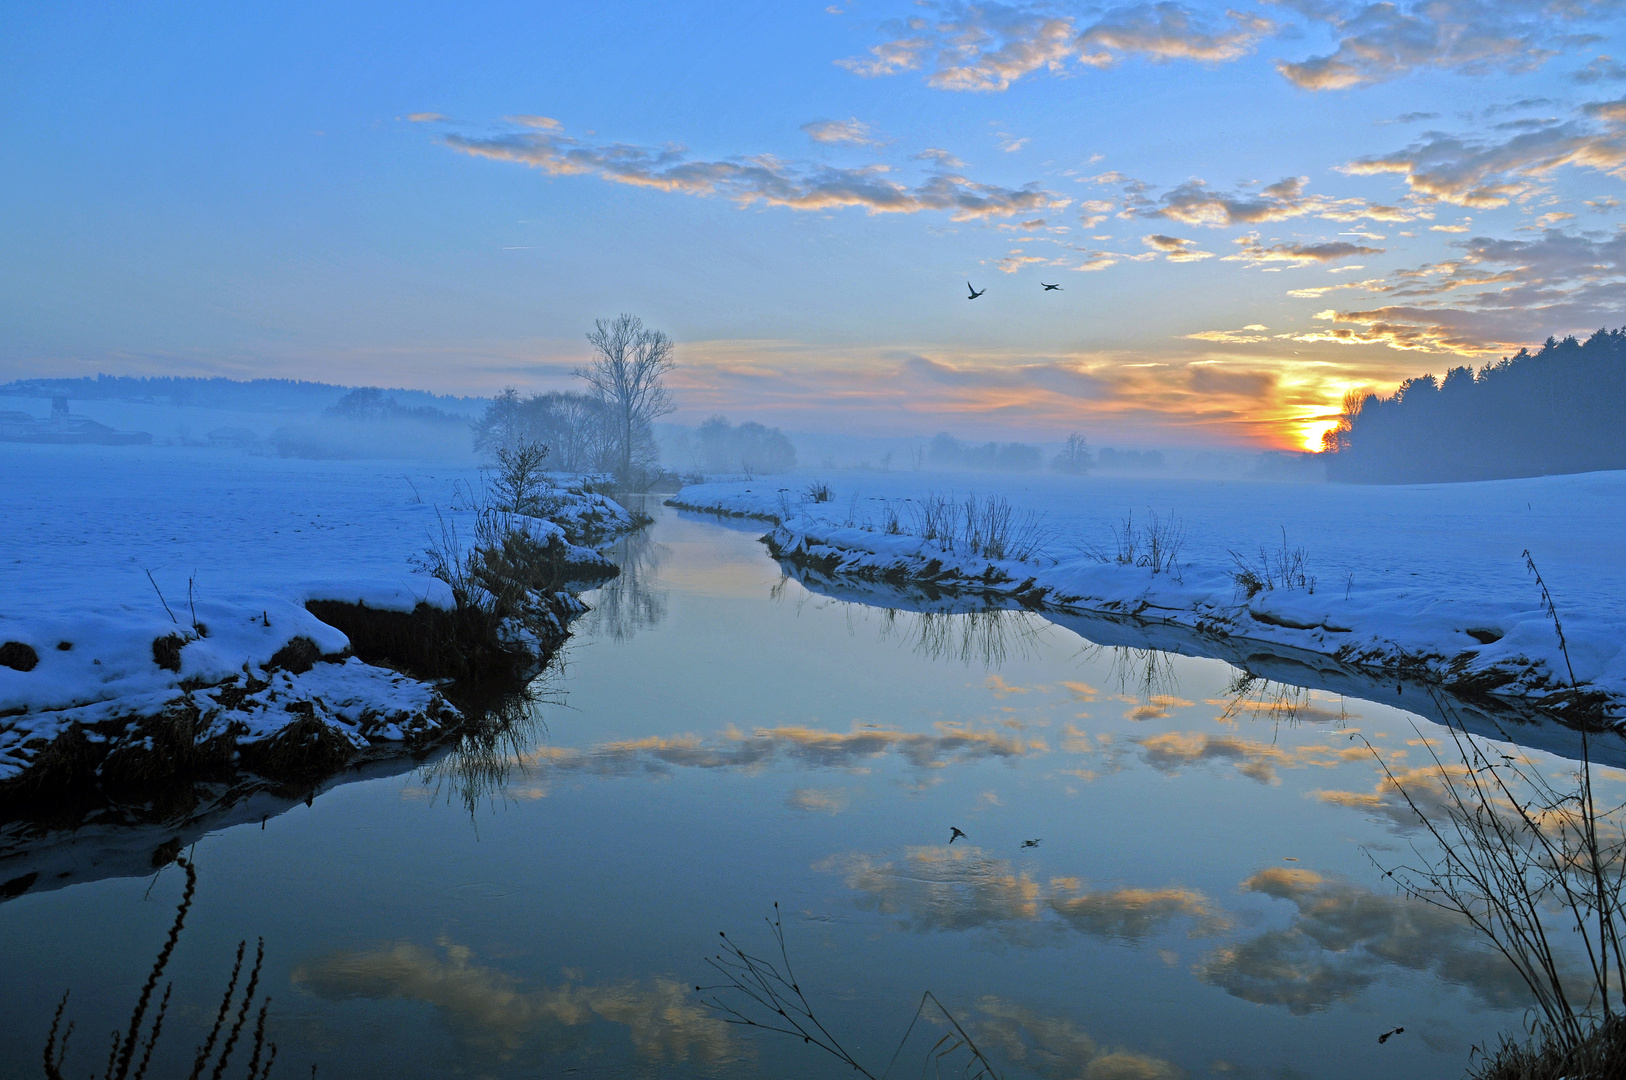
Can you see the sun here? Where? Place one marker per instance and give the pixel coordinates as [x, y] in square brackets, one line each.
[1310, 432]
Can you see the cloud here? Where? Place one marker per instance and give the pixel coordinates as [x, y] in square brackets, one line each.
[941, 158]
[540, 143]
[962, 888]
[841, 131]
[492, 1014]
[1344, 938]
[1602, 69]
[425, 117]
[1494, 297]
[884, 389]
[1175, 249]
[1489, 173]
[1230, 337]
[1017, 259]
[986, 47]
[1169, 31]
[1318, 291]
[1383, 41]
[1195, 203]
[1255, 252]
[1092, 212]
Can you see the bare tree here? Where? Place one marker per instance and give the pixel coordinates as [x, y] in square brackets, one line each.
[626, 373]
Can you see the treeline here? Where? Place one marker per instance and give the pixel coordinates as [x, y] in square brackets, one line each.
[579, 430]
[1075, 459]
[750, 447]
[250, 395]
[1559, 410]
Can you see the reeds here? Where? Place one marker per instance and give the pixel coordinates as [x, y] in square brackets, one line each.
[988, 528]
[1153, 545]
[1283, 568]
[1531, 864]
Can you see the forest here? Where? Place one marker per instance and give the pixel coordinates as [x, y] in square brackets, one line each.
[1556, 410]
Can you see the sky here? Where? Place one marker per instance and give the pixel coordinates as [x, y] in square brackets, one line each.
[1250, 211]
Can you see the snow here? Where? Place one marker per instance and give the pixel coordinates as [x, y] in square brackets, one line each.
[256, 537]
[1397, 570]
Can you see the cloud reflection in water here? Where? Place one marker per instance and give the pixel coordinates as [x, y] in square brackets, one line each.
[491, 1015]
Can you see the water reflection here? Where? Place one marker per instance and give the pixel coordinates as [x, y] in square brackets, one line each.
[493, 1016]
[634, 600]
[476, 766]
[947, 744]
[986, 638]
[1055, 1047]
[965, 888]
[1171, 751]
[1343, 938]
[1284, 703]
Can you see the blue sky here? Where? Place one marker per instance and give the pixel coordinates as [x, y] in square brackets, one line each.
[1247, 208]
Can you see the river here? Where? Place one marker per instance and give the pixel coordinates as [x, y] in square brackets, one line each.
[1166, 869]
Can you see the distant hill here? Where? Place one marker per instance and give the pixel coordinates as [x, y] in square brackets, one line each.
[1559, 410]
[253, 395]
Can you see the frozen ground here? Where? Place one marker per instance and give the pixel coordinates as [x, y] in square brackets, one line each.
[1398, 571]
[256, 536]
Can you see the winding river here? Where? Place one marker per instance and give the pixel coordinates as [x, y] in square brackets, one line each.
[1168, 868]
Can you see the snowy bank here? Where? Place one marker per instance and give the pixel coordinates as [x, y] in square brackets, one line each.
[1427, 583]
[159, 609]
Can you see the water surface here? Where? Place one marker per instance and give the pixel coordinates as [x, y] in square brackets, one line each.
[1206, 897]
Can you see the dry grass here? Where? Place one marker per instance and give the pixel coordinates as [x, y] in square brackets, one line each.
[1599, 1055]
[1283, 568]
[1538, 868]
[1153, 545]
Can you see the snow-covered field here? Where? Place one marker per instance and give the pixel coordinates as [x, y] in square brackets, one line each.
[254, 538]
[1399, 572]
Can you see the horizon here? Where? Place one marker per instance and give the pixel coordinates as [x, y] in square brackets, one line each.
[1250, 213]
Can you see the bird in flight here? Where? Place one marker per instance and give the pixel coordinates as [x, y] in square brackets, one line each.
[974, 292]
[1030, 843]
[1051, 288]
[954, 834]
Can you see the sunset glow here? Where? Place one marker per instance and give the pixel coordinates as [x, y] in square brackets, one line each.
[1286, 207]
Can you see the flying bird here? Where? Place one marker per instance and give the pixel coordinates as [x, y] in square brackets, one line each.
[1387, 1035]
[1030, 843]
[974, 292]
[1051, 288]
[954, 834]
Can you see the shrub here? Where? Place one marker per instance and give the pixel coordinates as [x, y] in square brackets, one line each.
[1155, 545]
[1284, 568]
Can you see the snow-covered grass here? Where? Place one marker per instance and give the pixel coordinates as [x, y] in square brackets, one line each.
[236, 546]
[1429, 580]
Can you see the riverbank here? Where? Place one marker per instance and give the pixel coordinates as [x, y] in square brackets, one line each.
[1423, 584]
[171, 614]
